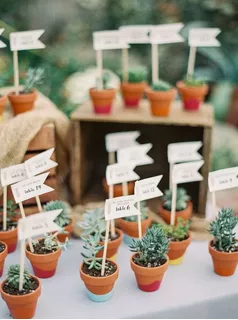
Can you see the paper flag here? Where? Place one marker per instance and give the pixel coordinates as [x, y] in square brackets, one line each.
[2, 44]
[223, 179]
[204, 37]
[13, 174]
[106, 40]
[187, 172]
[184, 151]
[136, 33]
[147, 188]
[118, 173]
[136, 154]
[166, 33]
[26, 40]
[118, 140]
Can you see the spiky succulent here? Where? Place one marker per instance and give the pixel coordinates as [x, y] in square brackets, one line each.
[93, 223]
[144, 213]
[13, 277]
[223, 230]
[91, 244]
[63, 219]
[179, 232]
[152, 248]
[33, 78]
[191, 81]
[136, 75]
[105, 80]
[181, 199]
[11, 212]
[161, 86]
[52, 243]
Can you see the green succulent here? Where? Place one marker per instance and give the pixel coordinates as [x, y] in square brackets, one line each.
[33, 77]
[191, 81]
[181, 199]
[13, 277]
[91, 244]
[161, 86]
[63, 219]
[52, 243]
[136, 75]
[144, 213]
[93, 223]
[105, 80]
[11, 212]
[179, 232]
[223, 230]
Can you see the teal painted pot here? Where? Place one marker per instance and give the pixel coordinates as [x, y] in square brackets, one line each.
[99, 297]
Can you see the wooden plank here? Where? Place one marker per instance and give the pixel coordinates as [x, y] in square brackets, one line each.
[45, 139]
[75, 162]
[53, 157]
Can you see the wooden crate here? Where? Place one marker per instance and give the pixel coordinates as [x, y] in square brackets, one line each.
[89, 157]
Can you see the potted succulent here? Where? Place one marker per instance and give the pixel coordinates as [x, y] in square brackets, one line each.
[224, 246]
[117, 188]
[10, 235]
[132, 90]
[63, 220]
[184, 206]
[150, 261]
[46, 254]
[3, 254]
[24, 101]
[93, 223]
[129, 225]
[161, 96]
[103, 98]
[3, 101]
[179, 240]
[99, 287]
[21, 304]
[192, 92]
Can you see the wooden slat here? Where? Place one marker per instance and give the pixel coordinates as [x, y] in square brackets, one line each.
[45, 139]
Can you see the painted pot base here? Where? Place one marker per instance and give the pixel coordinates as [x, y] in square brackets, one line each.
[176, 261]
[102, 109]
[114, 258]
[11, 248]
[43, 274]
[99, 297]
[150, 287]
[131, 103]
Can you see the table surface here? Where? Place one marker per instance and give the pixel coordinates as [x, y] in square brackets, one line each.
[189, 290]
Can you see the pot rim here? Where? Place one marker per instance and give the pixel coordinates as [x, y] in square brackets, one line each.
[189, 202]
[9, 231]
[5, 249]
[94, 89]
[150, 90]
[180, 84]
[145, 268]
[117, 239]
[13, 93]
[135, 222]
[104, 277]
[41, 255]
[183, 241]
[3, 96]
[221, 252]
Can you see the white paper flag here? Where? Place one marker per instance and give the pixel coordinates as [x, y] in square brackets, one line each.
[30, 188]
[13, 174]
[121, 207]
[136, 33]
[187, 172]
[26, 40]
[204, 37]
[106, 40]
[184, 151]
[136, 154]
[223, 179]
[118, 140]
[166, 33]
[38, 224]
[2, 44]
[118, 173]
[147, 188]
[40, 163]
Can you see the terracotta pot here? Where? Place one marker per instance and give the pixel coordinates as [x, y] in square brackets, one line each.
[117, 188]
[99, 288]
[132, 93]
[10, 238]
[112, 246]
[224, 263]
[69, 228]
[185, 214]
[3, 101]
[22, 102]
[160, 101]
[102, 100]
[2, 258]
[149, 279]
[192, 97]
[24, 306]
[177, 250]
[44, 265]
[131, 228]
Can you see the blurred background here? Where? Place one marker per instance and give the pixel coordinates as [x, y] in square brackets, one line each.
[69, 59]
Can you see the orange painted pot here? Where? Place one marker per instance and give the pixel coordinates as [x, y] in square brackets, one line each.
[224, 263]
[185, 214]
[3, 101]
[3, 255]
[131, 228]
[24, 306]
[102, 100]
[44, 265]
[112, 246]
[160, 101]
[69, 229]
[22, 102]
[132, 93]
[177, 250]
[149, 279]
[99, 288]
[117, 188]
[192, 97]
[10, 238]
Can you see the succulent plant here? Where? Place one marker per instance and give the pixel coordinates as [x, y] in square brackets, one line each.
[91, 244]
[105, 80]
[136, 75]
[181, 199]
[144, 213]
[179, 232]
[33, 78]
[63, 219]
[191, 81]
[161, 86]
[11, 212]
[51, 242]
[13, 277]
[223, 230]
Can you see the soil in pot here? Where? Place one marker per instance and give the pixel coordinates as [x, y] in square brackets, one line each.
[3, 254]
[132, 93]
[22, 102]
[177, 250]
[102, 100]
[185, 214]
[3, 101]
[113, 245]
[9, 236]
[117, 188]
[160, 101]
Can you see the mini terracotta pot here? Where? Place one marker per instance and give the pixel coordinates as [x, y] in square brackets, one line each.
[10, 238]
[112, 246]
[22, 102]
[192, 97]
[117, 188]
[69, 228]
[102, 100]
[224, 263]
[2, 258]
[132, 93]
[177, 250]
[185, 214]
[44, 265]
[24, 306]
[160, 101]
[99, 288]
[131, 228]
[149, 279]
[3, 101]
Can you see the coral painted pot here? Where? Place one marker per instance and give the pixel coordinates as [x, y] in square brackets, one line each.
[132, 93]
[131, 228]
[177, 250]
[149, 279]
[44, 265]
[10, 238]
[3, 101]
[160, 101]
[22, 102]
[69, 229]
[102, 100]
[99, 288]
[192, 97]
[224, 263]
[112, 246]
[3, 255]
[22, 306]
[117, 188]
[185, 214]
